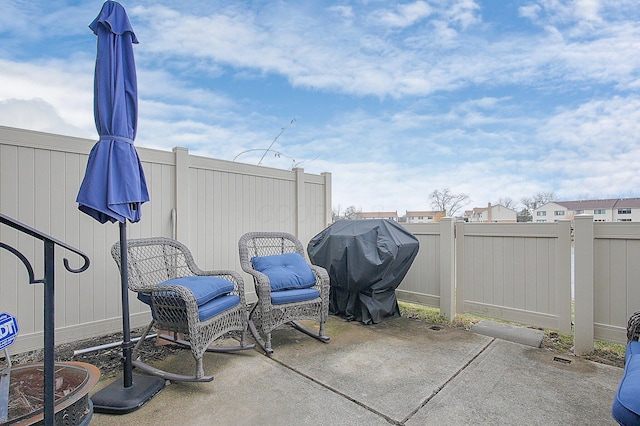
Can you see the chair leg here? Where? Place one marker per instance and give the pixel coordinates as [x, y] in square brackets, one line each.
[138, 363]
[199, 368]
[305, 330]
[243, 338]
[266, 346]
[169, 376]
[217, 349]
[268, 343]
[136, 348]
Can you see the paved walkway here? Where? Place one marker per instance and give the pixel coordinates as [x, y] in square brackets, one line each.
[400, 372]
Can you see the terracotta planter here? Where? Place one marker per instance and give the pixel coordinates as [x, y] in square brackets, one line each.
[73, 382]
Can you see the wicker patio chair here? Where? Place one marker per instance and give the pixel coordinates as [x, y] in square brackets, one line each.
[278, 306]
[200, 305]
[633, 327]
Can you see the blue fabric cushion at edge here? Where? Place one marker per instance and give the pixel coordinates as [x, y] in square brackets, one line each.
[217, 305]
[286, 271]
[626, 406]
[290, 296]
[204, 288]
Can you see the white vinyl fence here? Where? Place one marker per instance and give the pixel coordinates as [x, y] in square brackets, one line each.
[205, 203]
[607, 280]
[520, 272]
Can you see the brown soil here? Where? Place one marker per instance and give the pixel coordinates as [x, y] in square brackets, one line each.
[108, 361]
[553, 342]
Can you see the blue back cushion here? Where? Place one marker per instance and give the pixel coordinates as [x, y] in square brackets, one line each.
[287, 271]
[204, 288]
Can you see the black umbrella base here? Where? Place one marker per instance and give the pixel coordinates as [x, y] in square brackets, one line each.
[116, 399]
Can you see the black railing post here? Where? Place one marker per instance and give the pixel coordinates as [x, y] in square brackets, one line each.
[49, 333]
[49, 301]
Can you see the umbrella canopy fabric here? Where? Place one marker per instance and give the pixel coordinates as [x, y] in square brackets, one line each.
[114, 185]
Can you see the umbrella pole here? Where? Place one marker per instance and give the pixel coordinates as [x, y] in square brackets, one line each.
[127, 345]
[117, 398]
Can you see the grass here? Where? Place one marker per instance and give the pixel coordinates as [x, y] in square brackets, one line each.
[604, 352]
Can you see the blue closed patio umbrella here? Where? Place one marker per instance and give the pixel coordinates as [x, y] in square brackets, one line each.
[114, 186]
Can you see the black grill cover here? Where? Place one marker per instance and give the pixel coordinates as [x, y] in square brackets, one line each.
[366, 261]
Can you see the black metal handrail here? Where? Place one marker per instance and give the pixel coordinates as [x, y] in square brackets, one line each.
[49, 244]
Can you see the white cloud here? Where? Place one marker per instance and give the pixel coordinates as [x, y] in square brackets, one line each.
[598, 126]
[63, 92]
[346, 12]
[356, 59]
[37, 114]
[403, 15]
[464, 13]
[530, 11]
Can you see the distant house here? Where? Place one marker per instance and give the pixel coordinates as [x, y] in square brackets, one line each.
[423, 216]
[497, 213]
[378, 215]
[607, 210]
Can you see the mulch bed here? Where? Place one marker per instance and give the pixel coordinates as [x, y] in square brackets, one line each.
[108, 360]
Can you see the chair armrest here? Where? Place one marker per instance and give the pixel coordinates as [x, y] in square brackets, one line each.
[322, 277]
[633, 327]
[262, 286]
[168, 308]
[320, 272]
[228, 275]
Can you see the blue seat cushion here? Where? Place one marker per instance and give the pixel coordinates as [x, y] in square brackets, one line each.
[209, 309]
[204, 288]
[626, 406]
[217, 305]
[290, 296]
[287, 271]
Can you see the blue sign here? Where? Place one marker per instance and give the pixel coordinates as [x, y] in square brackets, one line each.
[8, 329]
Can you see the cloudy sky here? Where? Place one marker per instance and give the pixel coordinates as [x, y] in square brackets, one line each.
[490, 98]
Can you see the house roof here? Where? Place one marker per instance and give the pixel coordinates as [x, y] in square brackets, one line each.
[628, 202]
[378, 214]
[484, 209]
[610, 203]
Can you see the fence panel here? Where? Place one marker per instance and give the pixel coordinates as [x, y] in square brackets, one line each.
[422, 282]
[515, 272]
[616, 278]
[206, 203]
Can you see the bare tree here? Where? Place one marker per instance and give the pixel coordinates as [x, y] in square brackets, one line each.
[447, 201]
[539, 199]
[351, 213]
[335, 213]
[532, 203]
[506, 202]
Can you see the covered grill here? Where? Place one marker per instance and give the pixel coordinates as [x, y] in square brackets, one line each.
[366, 261]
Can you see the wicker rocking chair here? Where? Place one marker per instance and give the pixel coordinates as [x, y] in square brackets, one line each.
[275, 260]
[201, 305]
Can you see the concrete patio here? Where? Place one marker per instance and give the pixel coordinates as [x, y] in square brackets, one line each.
[402, 372]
